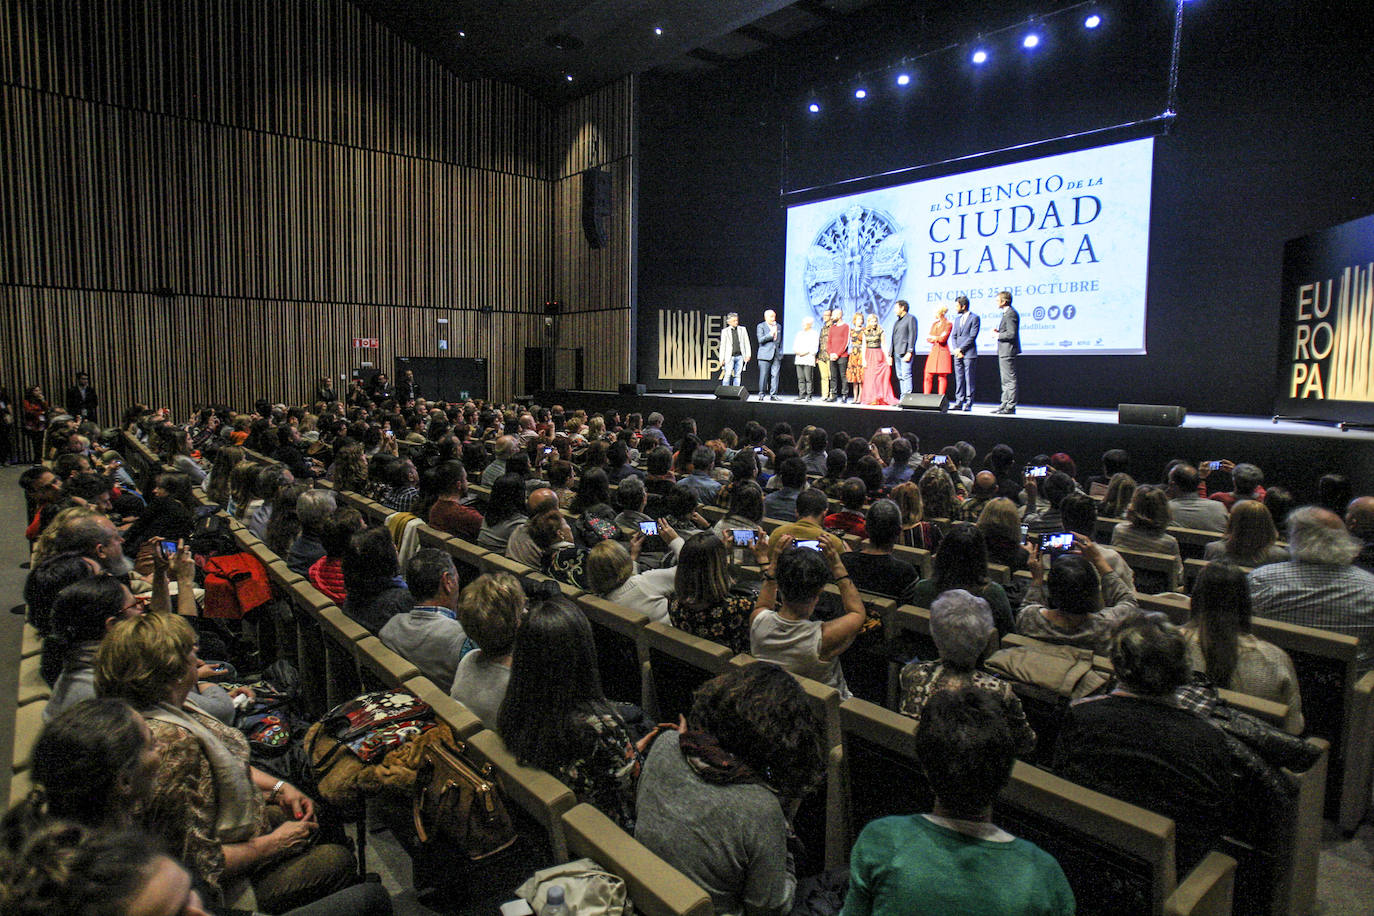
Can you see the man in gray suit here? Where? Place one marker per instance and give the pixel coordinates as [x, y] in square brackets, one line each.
[1008, 348]
[903, 344]
[769, 336]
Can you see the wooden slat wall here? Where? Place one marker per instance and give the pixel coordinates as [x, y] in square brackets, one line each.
[295, 176]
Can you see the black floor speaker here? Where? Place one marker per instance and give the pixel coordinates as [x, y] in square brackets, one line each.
[732, 393]
[1150, 414]
[916, 401]
[633, 390]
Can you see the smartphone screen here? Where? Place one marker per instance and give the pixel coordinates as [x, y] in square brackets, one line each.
[1037, 470]
[650, 528]
[940, 459]
[1214, 465]
[743, 537]
[809, 544]
[1058, 542]
[168, 548]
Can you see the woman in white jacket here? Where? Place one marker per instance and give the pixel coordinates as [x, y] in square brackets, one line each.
[805, 345]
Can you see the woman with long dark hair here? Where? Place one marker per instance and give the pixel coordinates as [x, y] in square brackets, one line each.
[961, 562]
[505, 512]
[555, 716]
[1221, 646]
[703, 602]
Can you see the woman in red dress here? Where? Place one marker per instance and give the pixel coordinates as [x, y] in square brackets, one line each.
[877, 365]
[938, 362]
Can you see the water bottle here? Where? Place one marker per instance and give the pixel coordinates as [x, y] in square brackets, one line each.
[553, 904]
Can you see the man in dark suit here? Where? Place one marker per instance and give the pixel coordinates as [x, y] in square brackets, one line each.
[81, 399]
[903, 346]
[963, 345]
[769, 336]
[1008, 348]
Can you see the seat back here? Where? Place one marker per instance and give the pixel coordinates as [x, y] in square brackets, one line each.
[1154, 572]
[539, 795]
[622, 655]
[679, 663]
[654, 886]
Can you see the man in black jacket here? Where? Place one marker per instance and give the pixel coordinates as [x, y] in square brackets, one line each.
[81, 399]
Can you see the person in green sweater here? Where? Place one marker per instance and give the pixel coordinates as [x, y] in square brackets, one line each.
[955, 860]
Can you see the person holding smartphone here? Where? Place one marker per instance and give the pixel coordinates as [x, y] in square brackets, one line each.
[1078, 602]
[781, 630]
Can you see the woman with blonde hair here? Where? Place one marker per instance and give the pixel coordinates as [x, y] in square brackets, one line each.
[939, 363]
[916, 531]
[937, 490]
[1144, 531]
[350, 469]
[1000, 522]
[1120, 491]
[241, 830]
[1250, 537]
[489, 610]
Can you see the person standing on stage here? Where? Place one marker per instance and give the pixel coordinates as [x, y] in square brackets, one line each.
[938, 363]
[903, 346]
[769, 334]
[963, 342]
[822, 357]
[837, 348]
[1008, 348]
[877, 365]
[804, 348]
[734, 351]
[855, 373]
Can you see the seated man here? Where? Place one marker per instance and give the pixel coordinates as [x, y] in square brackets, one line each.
[782, 503]
[850, 519]
[1078, 512]
[1320, 587]
[984, 491]
[1189, 509]
[631, 498]
[1247, 482]
[489, 611]
[520, 547]
[873, 567]
[506, 446]
[810, 512]
[1359, 521]
[700, 481]
[448, 513]
[955, 859]
[429, 636]
[1056, 487]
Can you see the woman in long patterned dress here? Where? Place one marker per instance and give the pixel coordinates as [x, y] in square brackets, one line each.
[877, 365]
[939, 364]
[855, 373]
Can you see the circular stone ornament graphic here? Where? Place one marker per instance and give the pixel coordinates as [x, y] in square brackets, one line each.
[856, 264]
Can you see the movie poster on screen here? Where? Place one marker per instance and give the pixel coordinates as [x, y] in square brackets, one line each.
[1326, 325]
[1067, 235]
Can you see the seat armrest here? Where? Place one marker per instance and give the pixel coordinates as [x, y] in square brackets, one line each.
[1207, 891]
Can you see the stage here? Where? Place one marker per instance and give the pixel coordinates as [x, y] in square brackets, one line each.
[1291, 454]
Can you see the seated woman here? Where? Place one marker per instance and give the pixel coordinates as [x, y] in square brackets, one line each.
[372, 579]
[1120, 493]
[1221, 646]
[917, 531]
[1000, 523]
[1136, 745]
[1145, 530]
[781, 629]
[703, 602]
[680, 509]
[955, 859]
[326, 573]
[504, 513]
[1250, 537]
[611, 575]
[745, 513]
[962, 627]
[715, 800]
[168, 515]
[236, 827]
[555, 716]
[1079, 603]
[489, 610]
[962, 562]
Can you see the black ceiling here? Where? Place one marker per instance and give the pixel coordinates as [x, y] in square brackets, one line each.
[537, 44]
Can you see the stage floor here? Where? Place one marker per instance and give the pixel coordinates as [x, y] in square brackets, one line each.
[1067, 414]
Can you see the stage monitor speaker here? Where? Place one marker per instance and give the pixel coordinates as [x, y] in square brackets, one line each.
[633, 390]
[1150, 414]
[916, 401]
[732, 393]
[596, 207]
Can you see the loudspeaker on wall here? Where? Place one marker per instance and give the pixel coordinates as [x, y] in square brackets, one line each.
[596, 207]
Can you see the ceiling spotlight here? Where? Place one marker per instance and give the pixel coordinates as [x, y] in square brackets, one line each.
[1030, 41]
[1092, 21]
[658, 30]
[814, 108]
[903, 79]
[860, 93]
[568, 77]
[980, 56]
[462, 34]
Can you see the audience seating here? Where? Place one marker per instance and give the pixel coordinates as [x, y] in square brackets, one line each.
[1152, 569]
[679, 663]
[541, 796]
[621, 649]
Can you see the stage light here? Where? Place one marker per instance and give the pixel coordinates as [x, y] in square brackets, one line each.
[860, 93]
[462, 34]
[1030, 41]
[658, 30]
[980, 56]
[568, 77]
[1092, 21]
[814, 108]
[903, 79]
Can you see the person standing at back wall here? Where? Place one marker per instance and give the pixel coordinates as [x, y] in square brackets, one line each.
[769, 336]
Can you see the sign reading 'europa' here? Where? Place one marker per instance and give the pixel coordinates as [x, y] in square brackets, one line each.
[1326, 325]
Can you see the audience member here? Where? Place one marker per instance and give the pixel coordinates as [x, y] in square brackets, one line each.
[962, 563]
[874, 567]
[1247, 482]
[506, 447]
[489, 610]
[984, 491]
[611, 575]
[1359, 521]
[448, 513]
[1250, 537]
[955, 859]
[1000, 522]
[1221, 646]
[1120, 493]
[1146, 530]
[782, 503]
[326, 573]
[704, 601]
[850, 518]
[1136, 745]
[716, 799]
[371, 573]
[1078, 512]
[1080, 601]
[811, 506]
[700, 481]
[429, 635]
[1190, 510]
[505, 513]
[917, 531]
[1319, 586]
